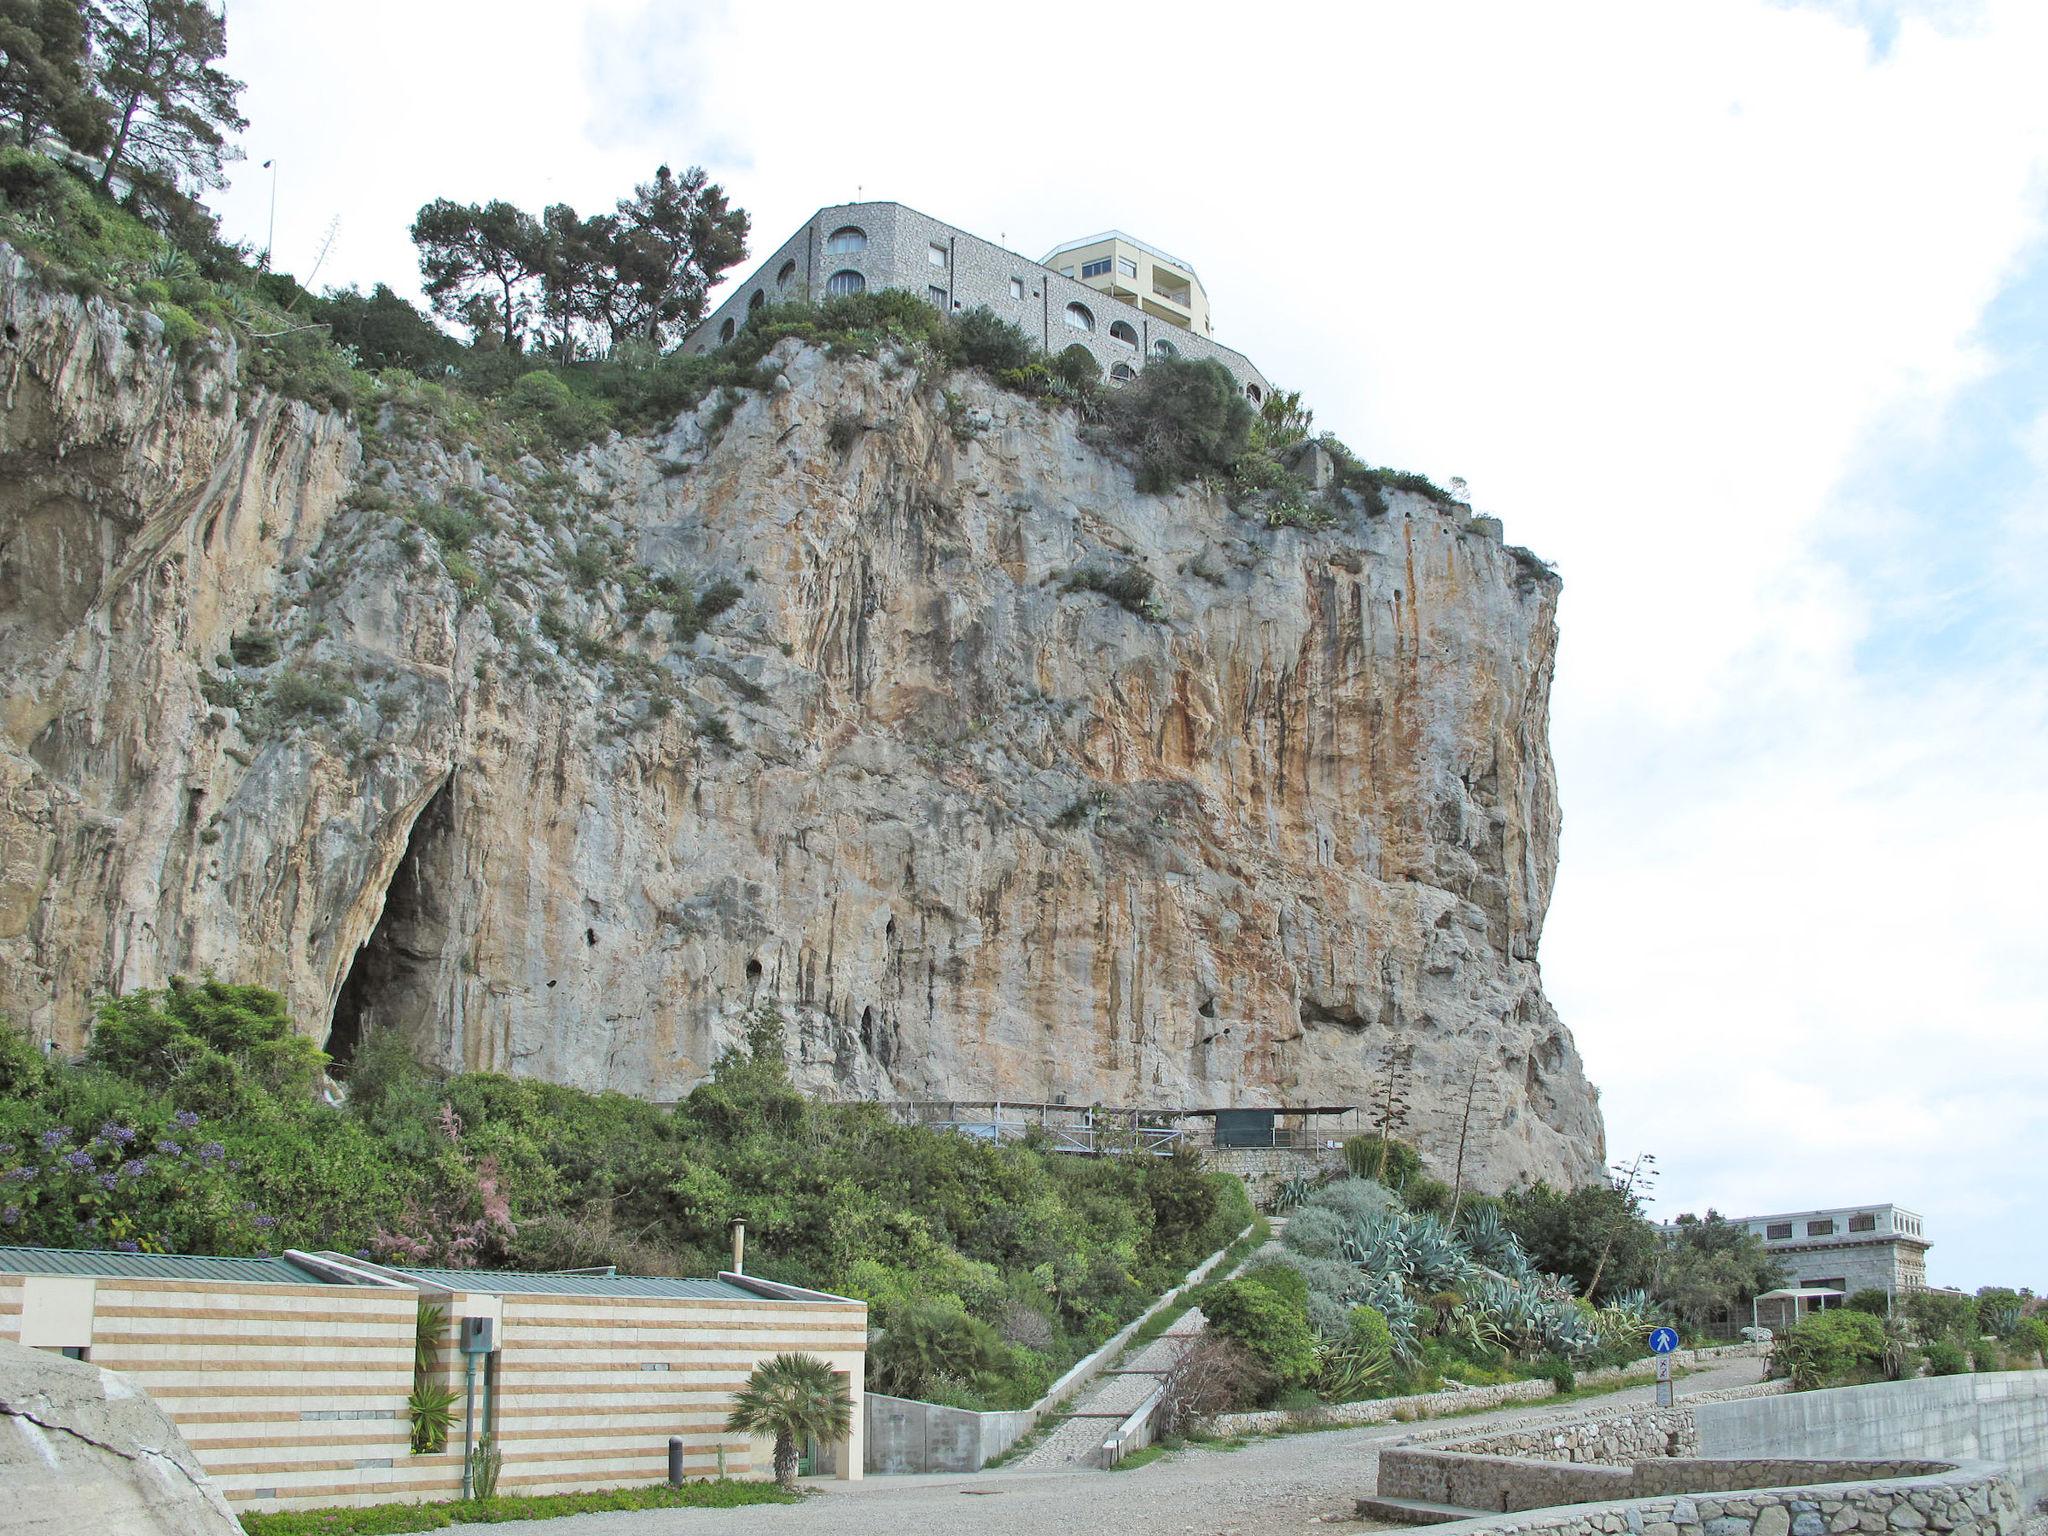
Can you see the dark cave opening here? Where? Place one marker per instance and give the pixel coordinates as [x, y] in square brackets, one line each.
[389, 985]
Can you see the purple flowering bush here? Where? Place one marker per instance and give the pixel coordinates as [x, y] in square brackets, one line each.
[65, 1188]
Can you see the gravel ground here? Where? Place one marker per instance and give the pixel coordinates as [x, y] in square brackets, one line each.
[1291, 1485]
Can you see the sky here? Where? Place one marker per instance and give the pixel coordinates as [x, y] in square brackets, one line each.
[1735, 310]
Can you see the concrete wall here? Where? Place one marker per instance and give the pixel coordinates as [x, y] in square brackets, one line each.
[1999, 1417]
[904, 1435]
[977, 273]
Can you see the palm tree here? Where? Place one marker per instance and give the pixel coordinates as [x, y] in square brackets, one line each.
[794, 1398]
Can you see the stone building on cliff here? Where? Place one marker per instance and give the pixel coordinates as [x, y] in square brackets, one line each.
[1123, 300]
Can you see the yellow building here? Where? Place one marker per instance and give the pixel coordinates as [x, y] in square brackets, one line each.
[1163, 286]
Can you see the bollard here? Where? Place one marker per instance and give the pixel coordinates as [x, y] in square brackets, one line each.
[675, 1461]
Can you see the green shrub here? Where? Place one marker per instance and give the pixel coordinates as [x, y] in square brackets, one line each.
[1183, 419]
[1383, 1159]
[1875, 1302]
[1368, 1329]
[1131, 586]
[1945, 1357]
[984, 340]
[1274, 1327]
[1830, 1349]
[298, 695]
[1077, 368]
[2029, 1335]
[181, 327]
[253, 648]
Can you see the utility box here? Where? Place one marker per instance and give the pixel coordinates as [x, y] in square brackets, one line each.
[479, 1336]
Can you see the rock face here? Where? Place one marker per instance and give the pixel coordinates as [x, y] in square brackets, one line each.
[82, 1449]
[424, 736]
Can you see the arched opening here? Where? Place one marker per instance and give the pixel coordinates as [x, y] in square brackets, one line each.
[391, 982]
[1079, 318]
[1161, 347]
[1253, 391]
[847, 240]
[1124, 334]
[725, 330]
[782, 277]
[760, 297]
[753, 970]
[845, 281]
[1122, 373]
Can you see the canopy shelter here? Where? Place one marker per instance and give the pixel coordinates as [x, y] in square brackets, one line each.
[1099, 1128]
[1791, 1303]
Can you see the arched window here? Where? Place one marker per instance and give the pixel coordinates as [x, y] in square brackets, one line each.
[1122, 373]
[1124, 334]
[788, 271]
[760, 297]
[725, 331]
[845, 281]
[846, 241]
[1253, 391]
[1161, 347]
[1079, 319]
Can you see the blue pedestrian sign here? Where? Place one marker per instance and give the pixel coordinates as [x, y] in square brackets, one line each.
[1663, 1341]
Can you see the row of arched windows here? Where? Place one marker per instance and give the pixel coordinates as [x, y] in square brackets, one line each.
[851, 240]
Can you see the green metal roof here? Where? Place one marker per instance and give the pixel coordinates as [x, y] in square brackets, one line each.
[154, 1266]
[503, 1282]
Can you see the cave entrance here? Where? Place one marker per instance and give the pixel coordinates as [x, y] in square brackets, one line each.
[392, 982]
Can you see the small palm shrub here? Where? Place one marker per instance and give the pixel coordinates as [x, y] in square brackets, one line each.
[792, 1398]
[430, 1409]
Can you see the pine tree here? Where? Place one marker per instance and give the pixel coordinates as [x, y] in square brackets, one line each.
[45, 84]
[173, 108]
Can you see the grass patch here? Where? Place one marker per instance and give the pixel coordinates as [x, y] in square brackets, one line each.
[1140, 1458]
[386, 1519]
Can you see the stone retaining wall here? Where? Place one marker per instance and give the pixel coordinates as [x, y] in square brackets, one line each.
[1974, 1499]
[1436, 1405]
[1470, 1480]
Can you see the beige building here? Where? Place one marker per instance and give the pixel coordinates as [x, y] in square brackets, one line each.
[1163, 286]
[289, 1376]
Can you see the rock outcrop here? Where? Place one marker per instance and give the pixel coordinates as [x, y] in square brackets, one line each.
[85, 1450]
[423, 732]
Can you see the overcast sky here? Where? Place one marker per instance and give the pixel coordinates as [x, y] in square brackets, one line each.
[1734, 310]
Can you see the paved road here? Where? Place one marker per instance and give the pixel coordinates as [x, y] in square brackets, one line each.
[1288, 1486]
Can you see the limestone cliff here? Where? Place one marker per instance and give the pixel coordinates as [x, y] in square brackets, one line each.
[428, 738]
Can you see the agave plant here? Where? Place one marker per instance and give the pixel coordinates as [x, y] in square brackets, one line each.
[1293, 1193]
[1437, 1261]
[1348, 1371]
[169, 265]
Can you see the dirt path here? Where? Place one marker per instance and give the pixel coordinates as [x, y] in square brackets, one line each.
[1291, 1485]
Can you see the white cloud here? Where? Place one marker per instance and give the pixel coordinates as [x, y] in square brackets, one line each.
[1657, 280]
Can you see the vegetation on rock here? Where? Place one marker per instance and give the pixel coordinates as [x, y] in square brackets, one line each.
[987, 1269]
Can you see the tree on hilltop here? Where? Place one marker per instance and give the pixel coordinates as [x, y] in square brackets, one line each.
[45, 75]
[676, 234]
[480, 262]
[172, 107]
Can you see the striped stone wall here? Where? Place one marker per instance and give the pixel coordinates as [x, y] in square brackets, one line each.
[294, 1396]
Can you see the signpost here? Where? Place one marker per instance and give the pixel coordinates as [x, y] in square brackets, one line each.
[1662, 1342]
